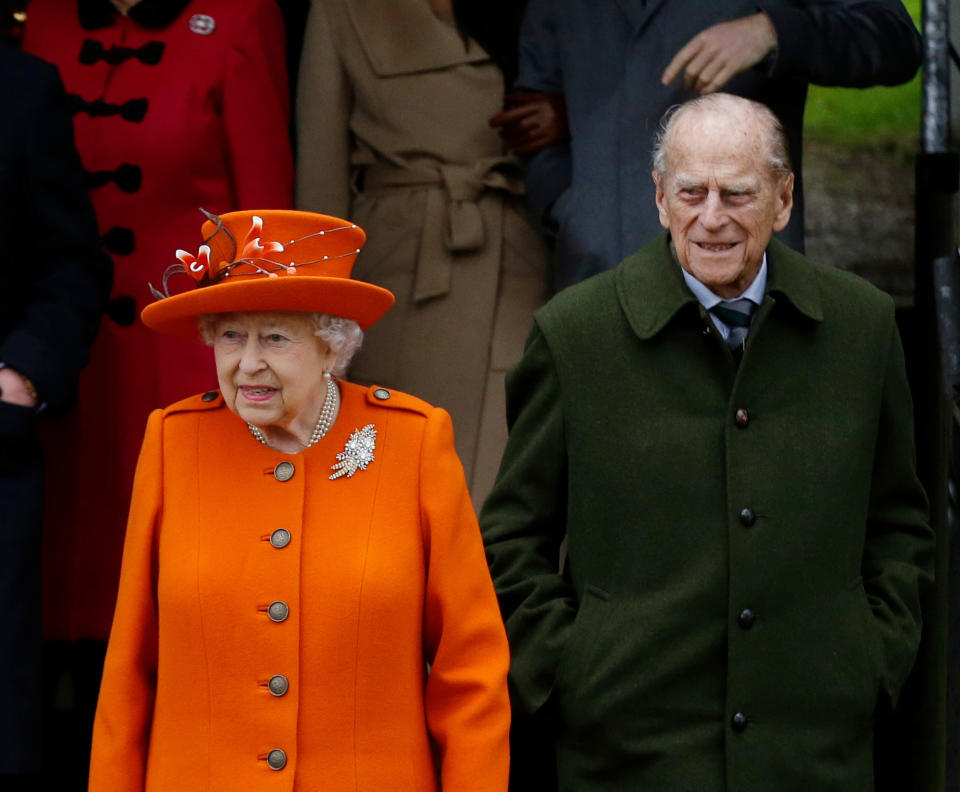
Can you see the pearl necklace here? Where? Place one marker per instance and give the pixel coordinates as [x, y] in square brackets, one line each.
[328, 414]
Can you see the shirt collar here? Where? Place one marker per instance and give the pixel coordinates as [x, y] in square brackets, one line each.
[754, 292]
[651, 290]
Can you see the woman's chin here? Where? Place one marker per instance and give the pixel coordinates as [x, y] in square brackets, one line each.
[260, 415]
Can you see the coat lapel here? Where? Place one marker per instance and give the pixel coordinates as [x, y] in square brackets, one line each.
[639, 12]
[403, 37]
[791, 275]
[650, 287]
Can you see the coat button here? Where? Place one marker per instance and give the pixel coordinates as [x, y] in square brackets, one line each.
[381, 393]
[276, 759]
[278, 685]
[746, 618]
[278, 611]
[122, 310]
[742, 418]
[284, 471]
[119, 240]
[747, 517]
[280, 538]
[738, 722]
[209, 396]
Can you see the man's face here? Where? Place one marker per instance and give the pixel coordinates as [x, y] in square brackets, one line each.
[720, 200]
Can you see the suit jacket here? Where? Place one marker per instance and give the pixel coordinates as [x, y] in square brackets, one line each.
[55, 283]
[607, 59]
[746, 545]
[378, 576]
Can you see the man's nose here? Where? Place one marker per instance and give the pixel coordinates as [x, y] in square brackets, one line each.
[713, 215]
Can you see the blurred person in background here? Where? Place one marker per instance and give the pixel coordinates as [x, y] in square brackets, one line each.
[177, 104]
[392, 129]
[56, 282]
[594, 78]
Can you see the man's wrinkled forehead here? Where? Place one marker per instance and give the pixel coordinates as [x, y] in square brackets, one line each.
[738, 130]
[711, 144]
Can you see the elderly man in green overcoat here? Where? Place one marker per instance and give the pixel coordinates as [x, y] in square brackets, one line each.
[722, 431]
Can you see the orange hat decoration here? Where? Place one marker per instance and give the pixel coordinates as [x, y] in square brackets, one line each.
[285, 261]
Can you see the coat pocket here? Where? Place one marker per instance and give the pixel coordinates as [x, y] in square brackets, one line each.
[833, 667]
[872, 643]
[579, 650]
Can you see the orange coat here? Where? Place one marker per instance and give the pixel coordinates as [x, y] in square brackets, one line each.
[384, 573]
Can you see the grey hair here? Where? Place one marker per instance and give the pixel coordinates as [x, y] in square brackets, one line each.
[343, 336]
[777, 145]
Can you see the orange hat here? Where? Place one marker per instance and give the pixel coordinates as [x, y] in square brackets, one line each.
[270, 260]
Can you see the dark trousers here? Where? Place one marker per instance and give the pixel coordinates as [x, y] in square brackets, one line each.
[21, 504]
[71, 683]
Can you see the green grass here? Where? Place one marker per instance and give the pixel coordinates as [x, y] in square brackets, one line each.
[882, 118]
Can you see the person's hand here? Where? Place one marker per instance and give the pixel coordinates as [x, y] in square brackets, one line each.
[532, 121]
[722, 51]
[15, 389]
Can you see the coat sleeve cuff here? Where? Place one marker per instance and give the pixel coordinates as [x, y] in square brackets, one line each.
[794, 32]
[549, 173]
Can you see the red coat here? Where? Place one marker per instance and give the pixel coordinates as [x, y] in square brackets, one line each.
[192, 107]
[331, 595]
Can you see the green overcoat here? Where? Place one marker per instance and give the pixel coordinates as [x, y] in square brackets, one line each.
[746, 544]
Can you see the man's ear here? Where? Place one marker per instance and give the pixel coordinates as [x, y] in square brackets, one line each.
[784, 199]
[664, 217]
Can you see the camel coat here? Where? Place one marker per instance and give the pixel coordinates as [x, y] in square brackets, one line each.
[377, 576]
[392, 121]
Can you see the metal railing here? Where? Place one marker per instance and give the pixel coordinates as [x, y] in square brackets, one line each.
[925, 732]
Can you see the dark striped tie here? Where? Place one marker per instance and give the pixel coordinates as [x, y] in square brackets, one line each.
[736, 315]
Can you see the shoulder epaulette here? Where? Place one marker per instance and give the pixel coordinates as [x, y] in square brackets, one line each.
[201, 401]
[397, 400]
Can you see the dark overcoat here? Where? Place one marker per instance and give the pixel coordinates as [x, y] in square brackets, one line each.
[55, 282]
[746, 545]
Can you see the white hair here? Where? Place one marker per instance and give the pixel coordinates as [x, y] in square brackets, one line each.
[342, 336]
[778, 148]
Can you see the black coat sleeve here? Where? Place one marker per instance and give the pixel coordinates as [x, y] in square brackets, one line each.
[852, 43]
[57, 279]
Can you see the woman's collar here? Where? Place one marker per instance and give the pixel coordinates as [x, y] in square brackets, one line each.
[94, 14]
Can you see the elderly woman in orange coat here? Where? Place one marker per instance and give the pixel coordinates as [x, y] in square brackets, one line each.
[304, 601]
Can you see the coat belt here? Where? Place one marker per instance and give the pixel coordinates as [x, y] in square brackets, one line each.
[452, 222]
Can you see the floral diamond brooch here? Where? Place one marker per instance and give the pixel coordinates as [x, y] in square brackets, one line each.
[357, 454]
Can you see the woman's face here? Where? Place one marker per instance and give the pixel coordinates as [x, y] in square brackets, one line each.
[270, 367]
